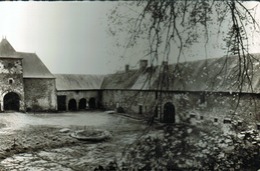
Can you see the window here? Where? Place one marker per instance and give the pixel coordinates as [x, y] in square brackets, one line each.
[10, 65]
[156, 111]
[192, 116]
[215, 119]
[10, 81]
[227, 121]
[140, 109]
[258, 126]
[201, 117]
[202, 98]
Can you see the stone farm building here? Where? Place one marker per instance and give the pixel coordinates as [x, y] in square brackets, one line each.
[199, 90]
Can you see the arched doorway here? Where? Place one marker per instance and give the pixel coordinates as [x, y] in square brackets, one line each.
[11, 101]
[92, 103]
[72, 105]
[82, 104]
[168, 113]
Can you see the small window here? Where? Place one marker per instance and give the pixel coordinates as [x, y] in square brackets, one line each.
[156, 111]
[192, 116]
[227, 121]
[202, 98]
[10, 81]
[10, 65]
[258, 126]
[201, 117]
[215, 119]
[140, 109]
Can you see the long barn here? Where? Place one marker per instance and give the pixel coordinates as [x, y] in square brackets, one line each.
[211, 89]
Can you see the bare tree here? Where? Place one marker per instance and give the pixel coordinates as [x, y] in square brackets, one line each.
[179, 24]
[167, 26]
[172, 27]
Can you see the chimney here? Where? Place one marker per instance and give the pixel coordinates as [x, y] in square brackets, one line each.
[143, 64]
[126, 68]
[164, 63]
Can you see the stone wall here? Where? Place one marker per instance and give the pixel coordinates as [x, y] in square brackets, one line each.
[40, 94]
[11, 80]
[193, 106]
[132, 101]
[77, 95]
[221, 107]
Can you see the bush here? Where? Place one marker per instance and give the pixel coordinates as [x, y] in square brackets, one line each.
[183, 147]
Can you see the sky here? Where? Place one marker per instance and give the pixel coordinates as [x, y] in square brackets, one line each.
[72, 37]
[68, 37]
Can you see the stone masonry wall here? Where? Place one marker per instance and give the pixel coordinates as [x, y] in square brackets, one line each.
[40, 94]
[194, 106]
[130, 101]
[11, 80]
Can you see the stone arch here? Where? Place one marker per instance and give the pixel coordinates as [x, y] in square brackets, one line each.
[72, 106]
[168, 113]
[82, 104]
[11, 101]
[92, 103]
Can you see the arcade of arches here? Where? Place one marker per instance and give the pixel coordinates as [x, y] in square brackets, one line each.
[82, 104]
[74, 105]
[92, 103]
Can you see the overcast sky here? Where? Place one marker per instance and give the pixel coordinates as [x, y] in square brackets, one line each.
[69, 37]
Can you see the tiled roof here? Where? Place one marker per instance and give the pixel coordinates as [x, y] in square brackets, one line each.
[78, 82]
[33, 67]
[215, 75]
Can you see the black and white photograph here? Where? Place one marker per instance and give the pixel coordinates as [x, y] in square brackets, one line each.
[147, 85]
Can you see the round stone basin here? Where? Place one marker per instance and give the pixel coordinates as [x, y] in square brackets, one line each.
[91, 135]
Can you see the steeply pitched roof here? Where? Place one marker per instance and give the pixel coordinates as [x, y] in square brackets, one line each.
[78, 82]
[215, 75]
[123, 80]
[33, 67]
[131, 80]
[6, 49]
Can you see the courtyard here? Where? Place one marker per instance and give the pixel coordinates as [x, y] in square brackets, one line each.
[43, 142]
[37, 142]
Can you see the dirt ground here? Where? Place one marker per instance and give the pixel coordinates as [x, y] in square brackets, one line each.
[43, 141]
